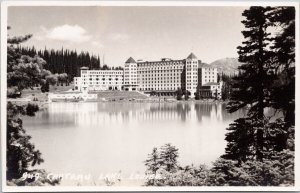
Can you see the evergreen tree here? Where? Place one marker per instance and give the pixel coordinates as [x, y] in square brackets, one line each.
[251, 87]
[168, 157]
[64, 61]
[266, 79]
[152, 164]
[240, 139]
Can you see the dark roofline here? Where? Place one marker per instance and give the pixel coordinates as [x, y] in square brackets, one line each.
[130, 60]
[192, 56]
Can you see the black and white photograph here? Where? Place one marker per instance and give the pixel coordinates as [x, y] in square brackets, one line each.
[162, 95]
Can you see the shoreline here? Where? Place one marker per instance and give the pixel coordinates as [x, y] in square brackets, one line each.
[24, 100]
[41, 99]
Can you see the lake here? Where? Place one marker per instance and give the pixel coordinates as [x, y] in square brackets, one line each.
[103, 138]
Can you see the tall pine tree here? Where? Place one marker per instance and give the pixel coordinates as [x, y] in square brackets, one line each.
[251, 87]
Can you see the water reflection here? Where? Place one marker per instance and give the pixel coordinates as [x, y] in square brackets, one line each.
[108, 137]
[71, 114]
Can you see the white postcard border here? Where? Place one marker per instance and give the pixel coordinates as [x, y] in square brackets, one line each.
[4, 8]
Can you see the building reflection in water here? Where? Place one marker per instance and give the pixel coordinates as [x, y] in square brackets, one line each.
[70, 114]
[96, 113]
[136, 112]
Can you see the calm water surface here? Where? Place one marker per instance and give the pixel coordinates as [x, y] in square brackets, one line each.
[101, 138]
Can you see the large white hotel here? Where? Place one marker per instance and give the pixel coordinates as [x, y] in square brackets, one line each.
[163, 77]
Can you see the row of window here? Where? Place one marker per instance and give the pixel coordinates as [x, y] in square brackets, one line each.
[132, 76]
[103, 79]
[189, 73]
[209, 77]
[160, 71]
[130, 65]
[160, 68]
[161, 77]
[192, 62]
[159, 85]
[105, 72]
[130, 72]
[149, 89]
[160, 63]
[153, 82]
[130, 82]
[209, 80]
[209, 69]
[214, 73]
[108, 83]
[99, 76]
[193, 66]
[130, 69]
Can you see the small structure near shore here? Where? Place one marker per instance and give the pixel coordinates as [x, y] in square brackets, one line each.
[72, 96]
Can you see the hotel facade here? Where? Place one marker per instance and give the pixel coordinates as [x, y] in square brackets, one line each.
[163, 77]
[97, 80]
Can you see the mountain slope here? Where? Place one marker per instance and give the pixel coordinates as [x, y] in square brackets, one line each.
[226, 65]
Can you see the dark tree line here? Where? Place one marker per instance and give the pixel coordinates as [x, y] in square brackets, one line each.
[66, 61]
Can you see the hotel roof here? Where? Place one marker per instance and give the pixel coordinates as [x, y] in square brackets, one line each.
[192, 56]
[130, 60]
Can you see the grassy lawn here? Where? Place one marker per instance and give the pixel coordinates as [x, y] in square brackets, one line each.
[37, 93]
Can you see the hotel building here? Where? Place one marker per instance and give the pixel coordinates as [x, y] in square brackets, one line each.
[163, 77]
[97, 80]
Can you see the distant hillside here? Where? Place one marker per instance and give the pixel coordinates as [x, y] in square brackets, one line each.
[226, 65]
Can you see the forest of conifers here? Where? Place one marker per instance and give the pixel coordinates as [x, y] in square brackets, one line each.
[66, 61]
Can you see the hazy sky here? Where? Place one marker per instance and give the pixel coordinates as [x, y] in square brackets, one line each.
[148, 33]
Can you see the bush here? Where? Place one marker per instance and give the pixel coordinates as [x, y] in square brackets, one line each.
[197, 96]
[276, 171]
[179, 94]
[13, 92]
[45, 87]
[31, 109]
